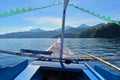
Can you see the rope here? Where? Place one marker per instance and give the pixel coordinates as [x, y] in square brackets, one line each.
[23, 10]
[101, 60]
[109, 19]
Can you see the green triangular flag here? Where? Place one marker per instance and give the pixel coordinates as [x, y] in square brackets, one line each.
[35, 8]
[1, 15]
[87, 10]
[82, 8]
[59, 2]
[103, 17]
[116, 22]
[71, 4]
[23, 10]
[5, 14]
[108, 19]
[92, 12]
[29, 8]
[98, 15]
[17, 11]
[12, 12]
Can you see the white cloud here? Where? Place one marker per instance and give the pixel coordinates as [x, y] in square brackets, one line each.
[45, 20]
[51, 23]
[76, 21]
[30, 27]
[16, 29]
[27, 28]
[54, 22]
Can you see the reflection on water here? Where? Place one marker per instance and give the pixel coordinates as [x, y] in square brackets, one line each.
[96, 46]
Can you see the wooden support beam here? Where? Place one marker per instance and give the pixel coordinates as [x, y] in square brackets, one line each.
[99, 59]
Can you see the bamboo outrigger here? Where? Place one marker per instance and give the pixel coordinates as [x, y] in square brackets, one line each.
[49, 68]
[66, 56]
[101, 60]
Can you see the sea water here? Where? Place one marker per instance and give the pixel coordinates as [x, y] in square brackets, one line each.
[95, 46]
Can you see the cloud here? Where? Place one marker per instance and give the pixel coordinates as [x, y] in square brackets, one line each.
[76, 21]
[27, 28]
[53, 21]
[30, 27]
[45, 20]
[15, 29]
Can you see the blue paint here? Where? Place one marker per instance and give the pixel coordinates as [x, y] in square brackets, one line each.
[36, 51]
[106, 74]
[83, 71]
[9, 73]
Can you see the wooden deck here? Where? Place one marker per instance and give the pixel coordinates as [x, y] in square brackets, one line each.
[55, 48]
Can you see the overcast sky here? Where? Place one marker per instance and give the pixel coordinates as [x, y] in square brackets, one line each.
[50, 18]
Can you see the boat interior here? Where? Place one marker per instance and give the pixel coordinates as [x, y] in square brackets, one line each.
[47, 73]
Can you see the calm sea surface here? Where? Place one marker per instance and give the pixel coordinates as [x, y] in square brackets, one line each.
[98, 47]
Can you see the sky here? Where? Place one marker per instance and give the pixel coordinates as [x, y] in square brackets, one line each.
[51, 18]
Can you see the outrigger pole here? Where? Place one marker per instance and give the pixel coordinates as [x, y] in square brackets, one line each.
[63, 26]
[101, 60]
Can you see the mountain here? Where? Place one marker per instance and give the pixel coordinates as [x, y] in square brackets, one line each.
[72, 32]
[83, 26]
[99, 25]
[75, 30]
[89, 32]
[29, 34]
[66, 28]
[110, 30]
[82, 31]
[36, 30]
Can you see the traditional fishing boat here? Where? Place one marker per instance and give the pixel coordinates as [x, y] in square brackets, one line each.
[55, 64]
[53, 69]
[50, 67]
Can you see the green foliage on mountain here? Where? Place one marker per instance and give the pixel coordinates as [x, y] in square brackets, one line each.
[72, 32]
[110, 30]
[89, 32]
[102, 30]
[67, 35]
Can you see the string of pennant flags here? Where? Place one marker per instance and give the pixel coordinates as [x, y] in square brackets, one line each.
[23, 10]
[109, 19]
